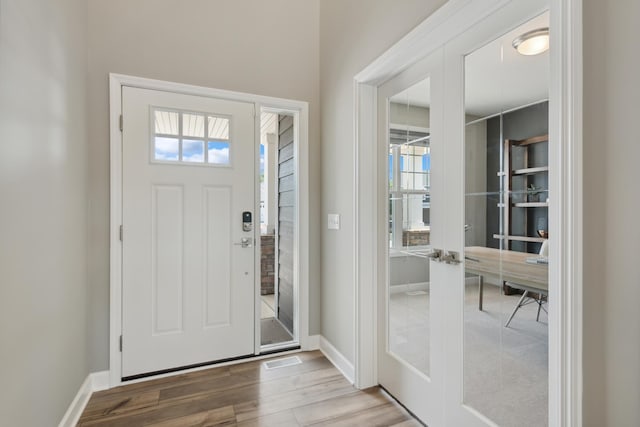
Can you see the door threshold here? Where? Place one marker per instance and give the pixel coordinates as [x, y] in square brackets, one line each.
[265, 354]
[391, 396]
[186, 368]
[279, 348]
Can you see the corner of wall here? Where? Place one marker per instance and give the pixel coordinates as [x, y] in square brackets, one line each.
[338, 359]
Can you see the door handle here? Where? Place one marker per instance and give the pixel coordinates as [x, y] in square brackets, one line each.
[245, 242]
[434, 255]
[451, 257]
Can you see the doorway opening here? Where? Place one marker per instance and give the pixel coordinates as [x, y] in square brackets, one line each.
[215, 134]
[481, 25]
[278, 204]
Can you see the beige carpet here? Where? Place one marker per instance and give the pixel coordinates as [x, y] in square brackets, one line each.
[505, 369]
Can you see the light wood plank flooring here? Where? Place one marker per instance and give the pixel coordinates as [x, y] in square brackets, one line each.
[311, 393]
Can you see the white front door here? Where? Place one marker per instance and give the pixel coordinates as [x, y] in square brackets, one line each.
[187, 278]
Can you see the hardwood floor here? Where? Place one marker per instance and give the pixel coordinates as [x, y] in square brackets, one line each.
[311, 393]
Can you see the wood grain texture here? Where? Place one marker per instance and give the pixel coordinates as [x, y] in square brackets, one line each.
[311, 393]
[510, 266]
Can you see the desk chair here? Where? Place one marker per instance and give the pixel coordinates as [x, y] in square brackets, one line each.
[525, 299]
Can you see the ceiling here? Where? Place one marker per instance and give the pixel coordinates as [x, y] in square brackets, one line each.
[497, 77]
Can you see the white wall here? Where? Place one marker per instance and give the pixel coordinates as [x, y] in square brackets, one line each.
[43, 203]
[352, 34]
[263, 47]
[611, 206]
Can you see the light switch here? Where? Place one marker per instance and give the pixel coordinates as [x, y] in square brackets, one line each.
[333, 222]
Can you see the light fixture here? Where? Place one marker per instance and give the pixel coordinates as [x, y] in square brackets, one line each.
[532, 42]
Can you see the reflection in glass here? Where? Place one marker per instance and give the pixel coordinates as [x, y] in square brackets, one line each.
[506, 180]
[409, 225]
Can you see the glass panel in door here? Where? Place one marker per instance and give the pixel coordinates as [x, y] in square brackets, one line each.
[505, 339]
[409, 225]
[278, 287]
[409, 157]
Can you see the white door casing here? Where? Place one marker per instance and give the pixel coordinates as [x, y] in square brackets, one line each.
[188, 286]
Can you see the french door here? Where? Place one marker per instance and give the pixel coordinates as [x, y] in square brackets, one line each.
[411, 153]
[187, 238]
[463, 225]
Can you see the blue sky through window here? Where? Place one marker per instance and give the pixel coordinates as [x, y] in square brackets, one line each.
[218, 152]
[193, 151]
[166, 148]
[261, 159]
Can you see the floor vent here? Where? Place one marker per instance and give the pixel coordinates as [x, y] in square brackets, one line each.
[415, 293]
[281, 363]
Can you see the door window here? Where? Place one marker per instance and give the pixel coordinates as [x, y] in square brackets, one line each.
[180, 137]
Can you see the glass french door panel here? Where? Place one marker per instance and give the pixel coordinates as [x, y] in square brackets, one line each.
[409, 226]
[505, 337]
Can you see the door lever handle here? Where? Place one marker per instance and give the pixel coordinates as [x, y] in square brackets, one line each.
[434, 255]
[451, 257]
[245, 242]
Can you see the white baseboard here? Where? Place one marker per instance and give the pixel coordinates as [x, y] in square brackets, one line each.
[409, 287]
[96, 381]
[99, 381]
[74, 411]
[312, 343]
[338, 359]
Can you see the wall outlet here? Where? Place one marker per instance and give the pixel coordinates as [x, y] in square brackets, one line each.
[333, 222]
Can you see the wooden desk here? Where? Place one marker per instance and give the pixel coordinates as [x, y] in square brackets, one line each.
[509, 266]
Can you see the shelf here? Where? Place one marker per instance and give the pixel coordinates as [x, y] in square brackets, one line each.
[520, 238]
[533, 140]
[531, 205]
[530, 171]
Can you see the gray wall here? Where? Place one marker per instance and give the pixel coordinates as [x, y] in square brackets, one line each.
[264, 47]
[412, 115]
[286, 220]
[475, 183]
[611, 205]
[520, 124]
[43, 168]
[352, 34]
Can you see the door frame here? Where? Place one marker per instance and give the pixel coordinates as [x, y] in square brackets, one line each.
[565, 212]
[300, 110]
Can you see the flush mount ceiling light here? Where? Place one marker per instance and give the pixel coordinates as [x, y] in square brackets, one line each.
[532, 42]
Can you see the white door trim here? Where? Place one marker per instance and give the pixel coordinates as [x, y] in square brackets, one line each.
[301, 111]
[565, 214]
